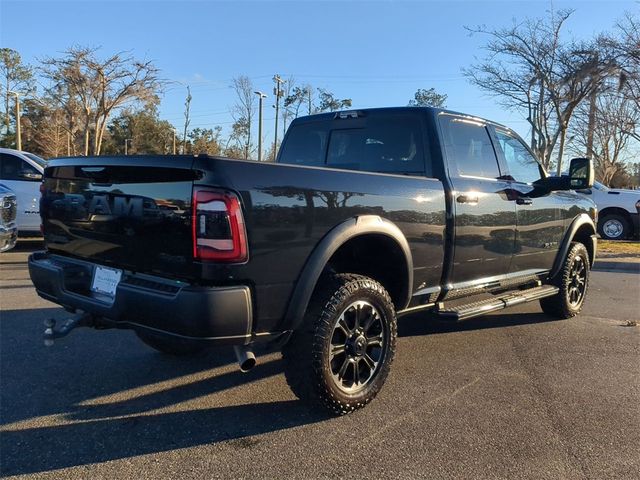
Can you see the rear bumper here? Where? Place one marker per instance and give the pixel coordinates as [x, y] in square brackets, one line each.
[220, 315]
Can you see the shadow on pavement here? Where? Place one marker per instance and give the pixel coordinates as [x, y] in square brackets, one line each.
[37, 382]
[28, 244]
[64, 379]
[416, 325]
[53, 447]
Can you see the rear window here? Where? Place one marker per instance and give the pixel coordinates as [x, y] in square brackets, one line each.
[376, 143]
[306, 144]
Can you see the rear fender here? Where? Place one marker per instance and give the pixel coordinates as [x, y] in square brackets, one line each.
[338, 236]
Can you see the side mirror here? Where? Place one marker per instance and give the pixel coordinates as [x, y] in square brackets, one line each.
[581, 173]
[29, 175]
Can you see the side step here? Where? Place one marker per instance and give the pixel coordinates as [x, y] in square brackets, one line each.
[482, 307]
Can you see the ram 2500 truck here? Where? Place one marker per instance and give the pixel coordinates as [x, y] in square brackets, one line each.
[365, 215]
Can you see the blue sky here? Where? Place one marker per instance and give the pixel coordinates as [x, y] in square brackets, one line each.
[377, 53]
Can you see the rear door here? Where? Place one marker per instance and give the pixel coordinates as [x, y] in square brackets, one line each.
[24, 180]
[485, 214]
[540, 226]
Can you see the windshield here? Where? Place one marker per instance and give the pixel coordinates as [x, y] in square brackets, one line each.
[601, 187]
[40, 161]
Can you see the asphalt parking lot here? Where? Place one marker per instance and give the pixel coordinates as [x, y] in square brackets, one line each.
[512, 395]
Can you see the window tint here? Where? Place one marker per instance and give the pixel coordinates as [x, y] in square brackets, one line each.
[523, 167]
[469, 144]
[388, 144]
[385, 143]
[40, 161]
[599, 186]
[306, 144]
[11, 167]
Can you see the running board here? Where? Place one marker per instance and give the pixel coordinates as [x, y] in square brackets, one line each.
[475, 309]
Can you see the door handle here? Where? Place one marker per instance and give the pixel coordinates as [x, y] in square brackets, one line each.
[473, 199]
[524, 201]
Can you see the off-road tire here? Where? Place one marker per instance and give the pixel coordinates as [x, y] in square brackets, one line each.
[170, 346]
[307, 356]
[560, 306]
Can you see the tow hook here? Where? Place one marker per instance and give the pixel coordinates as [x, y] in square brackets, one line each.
[51, 332]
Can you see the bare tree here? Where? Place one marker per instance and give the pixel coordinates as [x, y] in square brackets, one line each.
[102, 86]
[243, 111]
[612, 129]
[627, 47]
[287, 113]
[529, 68]
[44, 129]
[16, 76]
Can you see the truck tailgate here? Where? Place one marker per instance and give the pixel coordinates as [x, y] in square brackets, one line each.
[132, 212]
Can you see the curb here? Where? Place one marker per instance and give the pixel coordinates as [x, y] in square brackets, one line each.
[627, 267]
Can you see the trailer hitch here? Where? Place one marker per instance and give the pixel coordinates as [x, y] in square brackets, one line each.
[51, 332]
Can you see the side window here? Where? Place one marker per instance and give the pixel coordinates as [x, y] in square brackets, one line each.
[306, 144]
[14, 168]
[523, 166]
[387, 144]
[468, 142]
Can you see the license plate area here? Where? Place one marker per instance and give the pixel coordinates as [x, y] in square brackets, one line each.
[105, 280]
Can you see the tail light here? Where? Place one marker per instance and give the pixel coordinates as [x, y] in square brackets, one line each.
[218, 227]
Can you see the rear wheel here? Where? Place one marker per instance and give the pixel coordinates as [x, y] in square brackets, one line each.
[340, 357]
[572, 281]
[170, 346]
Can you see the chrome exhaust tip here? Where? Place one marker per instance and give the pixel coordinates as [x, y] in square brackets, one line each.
[246, 358]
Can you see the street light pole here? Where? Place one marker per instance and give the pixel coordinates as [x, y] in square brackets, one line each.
[262, 96]
[18, 127]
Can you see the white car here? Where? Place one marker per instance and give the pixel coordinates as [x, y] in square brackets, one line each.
[618, 211]
[8, 229]
[22, 173]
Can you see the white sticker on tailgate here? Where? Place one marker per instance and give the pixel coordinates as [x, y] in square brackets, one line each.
[105, 280]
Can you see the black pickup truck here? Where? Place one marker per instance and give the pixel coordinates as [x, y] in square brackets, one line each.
[365, 215]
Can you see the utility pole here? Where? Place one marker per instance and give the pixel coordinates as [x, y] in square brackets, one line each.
[592, 121]
[278, 93]
[18, 127]
[126, 141]
[592, 106]
[262, 96]
[534, 122]
[68, 144]
[187, 105]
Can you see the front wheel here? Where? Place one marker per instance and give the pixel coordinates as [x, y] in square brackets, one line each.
[572, 281]
[342, 353]
[613, 227]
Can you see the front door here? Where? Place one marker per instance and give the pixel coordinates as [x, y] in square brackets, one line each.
[540, 225]
[485, 216]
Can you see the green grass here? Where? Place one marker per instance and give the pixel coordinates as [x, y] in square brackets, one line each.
[619, 246]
